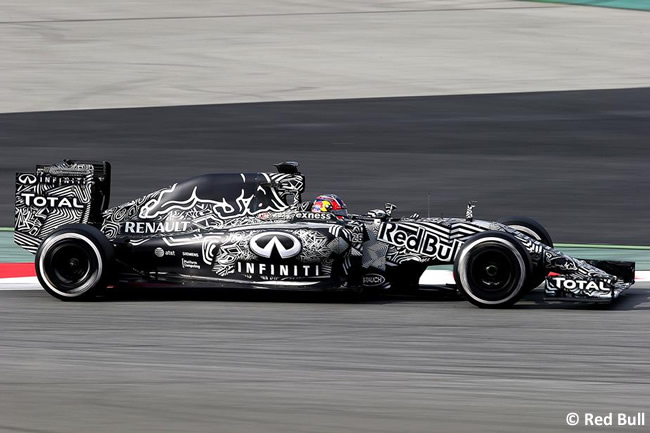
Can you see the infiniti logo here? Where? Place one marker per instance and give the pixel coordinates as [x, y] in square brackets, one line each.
[275, 245]
[27, 178]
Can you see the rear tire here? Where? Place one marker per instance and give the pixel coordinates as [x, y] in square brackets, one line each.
[73, 263]
[535, 230]
[491, 269]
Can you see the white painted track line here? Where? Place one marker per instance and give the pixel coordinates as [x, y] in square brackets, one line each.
[20, 283]
[431, 277]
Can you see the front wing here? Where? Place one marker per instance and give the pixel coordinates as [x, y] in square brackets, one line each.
[571, 279]
[591, 281]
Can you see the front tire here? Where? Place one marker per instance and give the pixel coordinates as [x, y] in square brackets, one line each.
[535, 230]
[529, 227]
[491, 269]
[73, 263]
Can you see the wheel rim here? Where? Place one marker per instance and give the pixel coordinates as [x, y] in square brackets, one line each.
[72, 267]
[491, 270]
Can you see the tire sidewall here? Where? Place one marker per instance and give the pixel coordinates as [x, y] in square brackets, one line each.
[100, 257]
[535, 230]
[510, 245]
[529, 227]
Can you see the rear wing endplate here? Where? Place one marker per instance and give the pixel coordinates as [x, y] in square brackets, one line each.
[71, 191]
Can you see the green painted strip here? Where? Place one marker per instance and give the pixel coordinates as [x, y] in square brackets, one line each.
[6, 229]
[10, 252]
[639, 5]
[604, 246]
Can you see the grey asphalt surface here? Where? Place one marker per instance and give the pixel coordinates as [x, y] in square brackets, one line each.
[199, 362]
[576, 161]
[205, 363]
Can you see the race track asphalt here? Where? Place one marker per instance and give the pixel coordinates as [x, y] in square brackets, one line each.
[577, 161]
[228, 363]
[197, 362]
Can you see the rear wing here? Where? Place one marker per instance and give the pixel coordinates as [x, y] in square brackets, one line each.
[63, 193]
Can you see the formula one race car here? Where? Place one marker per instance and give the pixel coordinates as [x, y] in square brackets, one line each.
[252, 230]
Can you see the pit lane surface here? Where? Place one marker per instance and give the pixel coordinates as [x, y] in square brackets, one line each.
[228, 363]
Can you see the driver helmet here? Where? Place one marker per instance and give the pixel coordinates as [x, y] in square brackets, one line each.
[330, 203]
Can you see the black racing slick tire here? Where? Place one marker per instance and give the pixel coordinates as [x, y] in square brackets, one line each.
[491, 269]
[74, 262]
[535, 230]
[529, 227]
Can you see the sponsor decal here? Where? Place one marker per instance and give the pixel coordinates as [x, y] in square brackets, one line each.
[278, 245]
[190, 254]
[27, 179]
[419, 240]
[563, 283]
[52, 181]
[190, 264]
[285, 216]
[279, 270]
[32, 199]
[276, 216]
[159, 252]
[373, 280]
[313, 216]
[145, 227]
